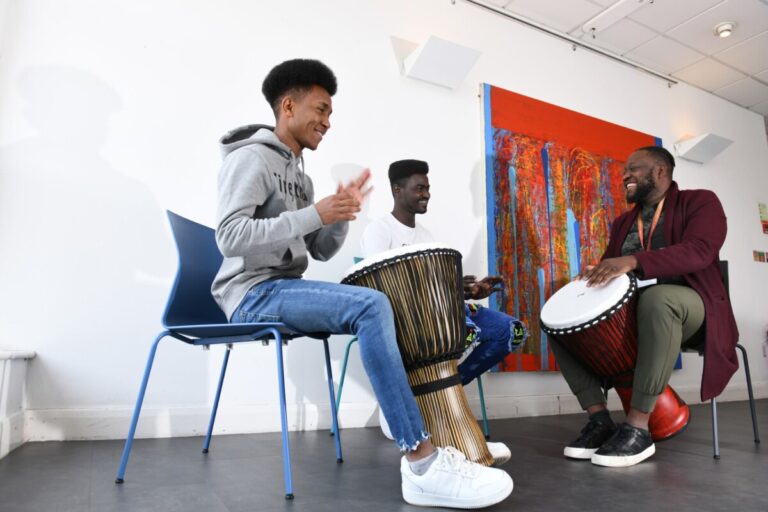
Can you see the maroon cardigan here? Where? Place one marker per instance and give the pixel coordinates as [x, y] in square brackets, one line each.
[694, 231]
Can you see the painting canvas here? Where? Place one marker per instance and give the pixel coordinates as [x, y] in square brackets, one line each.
[553, 187]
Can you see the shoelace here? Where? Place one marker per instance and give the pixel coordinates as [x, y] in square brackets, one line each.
[458, 462]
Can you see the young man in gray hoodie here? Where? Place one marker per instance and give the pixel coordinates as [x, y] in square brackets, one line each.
[268, 224]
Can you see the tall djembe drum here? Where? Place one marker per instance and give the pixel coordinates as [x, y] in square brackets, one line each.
[424, 285]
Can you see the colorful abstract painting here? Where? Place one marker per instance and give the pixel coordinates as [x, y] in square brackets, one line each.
[553, 186]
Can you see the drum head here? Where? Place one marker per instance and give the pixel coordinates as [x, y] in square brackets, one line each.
[575, 304]
[393, 254]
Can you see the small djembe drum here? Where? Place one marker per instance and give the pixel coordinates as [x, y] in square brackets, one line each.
[598, 325]
[424, 285]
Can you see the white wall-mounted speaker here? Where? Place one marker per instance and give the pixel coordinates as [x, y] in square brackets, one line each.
[438, 61]
[701, 149]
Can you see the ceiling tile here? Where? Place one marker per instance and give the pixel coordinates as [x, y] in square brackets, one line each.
[498, 3]
[761, 108]
[709, 75]
[620, 37]
[751, 56]
[663, 15]
[747, 92]
[664, 55]
[763, 76]
[563, 16]
[750, 16]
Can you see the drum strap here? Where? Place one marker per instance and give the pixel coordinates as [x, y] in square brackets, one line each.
[436, 385]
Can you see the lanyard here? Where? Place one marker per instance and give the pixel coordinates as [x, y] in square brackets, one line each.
[654, 223]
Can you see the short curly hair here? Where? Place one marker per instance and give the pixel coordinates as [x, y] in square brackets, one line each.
[661, 155]
[296, 75]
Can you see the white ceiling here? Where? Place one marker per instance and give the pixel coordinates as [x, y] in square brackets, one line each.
[675, 38]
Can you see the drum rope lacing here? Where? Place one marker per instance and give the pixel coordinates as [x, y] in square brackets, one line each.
[404, 257]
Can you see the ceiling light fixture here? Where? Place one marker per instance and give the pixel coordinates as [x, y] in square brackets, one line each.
[611, 15]
[724, 29]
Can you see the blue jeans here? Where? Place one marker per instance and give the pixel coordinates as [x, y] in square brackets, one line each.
[316, 306]
[496, 339]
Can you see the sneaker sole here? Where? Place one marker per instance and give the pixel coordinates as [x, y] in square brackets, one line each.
[501, 457]
[579, 453]
[623, 462]
[500, 461]
[432, 500]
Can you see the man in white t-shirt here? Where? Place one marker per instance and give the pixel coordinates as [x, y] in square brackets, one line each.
[493, 334]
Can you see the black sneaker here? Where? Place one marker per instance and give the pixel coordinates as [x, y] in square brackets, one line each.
[628, 446]
[592, 437]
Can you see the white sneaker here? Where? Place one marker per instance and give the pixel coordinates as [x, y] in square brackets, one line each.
[454, 482]
[385, 426]
[500, 453]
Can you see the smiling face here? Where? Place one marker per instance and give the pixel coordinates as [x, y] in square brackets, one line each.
[641, 175]
[304, 118]
[413, 196]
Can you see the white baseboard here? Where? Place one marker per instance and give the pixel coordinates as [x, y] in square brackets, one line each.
[500, 407]
[91, 424]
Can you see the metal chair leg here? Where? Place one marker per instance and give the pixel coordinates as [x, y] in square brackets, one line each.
[749, 390]
[486, 431]
[207, 442]
[715, 436]
[341, 378]
[137, 409]
[334, 417]
[283, 416]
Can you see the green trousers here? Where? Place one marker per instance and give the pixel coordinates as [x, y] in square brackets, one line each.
[667, 316]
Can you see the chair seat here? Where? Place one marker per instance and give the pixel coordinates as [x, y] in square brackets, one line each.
[257, 331]
[231, 333]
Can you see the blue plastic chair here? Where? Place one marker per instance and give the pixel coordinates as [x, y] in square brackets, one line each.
[192, 316]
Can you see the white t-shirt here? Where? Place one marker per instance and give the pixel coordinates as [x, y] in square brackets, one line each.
[387, 233]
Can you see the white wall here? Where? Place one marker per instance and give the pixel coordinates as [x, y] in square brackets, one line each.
[110, 115]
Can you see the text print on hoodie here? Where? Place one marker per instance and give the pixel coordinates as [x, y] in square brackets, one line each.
[266, 221]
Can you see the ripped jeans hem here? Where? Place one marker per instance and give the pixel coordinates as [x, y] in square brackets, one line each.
[404, 448]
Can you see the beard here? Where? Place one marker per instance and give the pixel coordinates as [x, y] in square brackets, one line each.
[416, 208]
[642, 191]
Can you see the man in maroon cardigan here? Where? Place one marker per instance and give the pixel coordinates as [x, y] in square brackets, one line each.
[672, 236]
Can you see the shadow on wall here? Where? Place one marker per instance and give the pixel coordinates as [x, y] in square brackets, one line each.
[86, 262]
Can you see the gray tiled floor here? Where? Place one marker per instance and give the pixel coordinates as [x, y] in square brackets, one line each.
[244, 472]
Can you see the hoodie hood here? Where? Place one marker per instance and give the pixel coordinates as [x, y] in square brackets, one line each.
[253, 134]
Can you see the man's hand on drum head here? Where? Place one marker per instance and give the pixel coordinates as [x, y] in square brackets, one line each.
[477, 290]
[606, 270]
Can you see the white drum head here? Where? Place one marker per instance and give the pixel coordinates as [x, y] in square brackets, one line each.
[575, 304]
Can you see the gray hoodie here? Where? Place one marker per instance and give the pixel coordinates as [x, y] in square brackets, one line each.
[266, 221]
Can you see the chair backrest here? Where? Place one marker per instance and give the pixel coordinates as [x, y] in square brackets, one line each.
[724, 272]
[190, 301]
